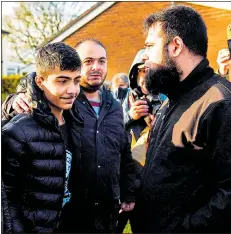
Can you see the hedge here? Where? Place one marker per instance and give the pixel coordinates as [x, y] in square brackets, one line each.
[9, 84]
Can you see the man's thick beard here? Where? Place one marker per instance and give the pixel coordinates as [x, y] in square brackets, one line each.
[164, 79]
[91, 88]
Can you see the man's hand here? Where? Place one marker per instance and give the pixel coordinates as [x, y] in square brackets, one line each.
[223, 61]
[21, 103]
[138, 108]
[127, 206]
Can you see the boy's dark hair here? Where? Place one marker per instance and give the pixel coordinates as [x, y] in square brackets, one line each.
[89, 39]
[56, 55]
[184, 22]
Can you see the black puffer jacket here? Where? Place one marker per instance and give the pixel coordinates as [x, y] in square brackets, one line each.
[108, 172]
[5, 215]
[33, 165]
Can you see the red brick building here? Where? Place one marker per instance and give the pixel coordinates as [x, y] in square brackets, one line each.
[119, 26]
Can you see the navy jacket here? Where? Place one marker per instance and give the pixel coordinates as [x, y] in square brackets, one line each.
[108, 171]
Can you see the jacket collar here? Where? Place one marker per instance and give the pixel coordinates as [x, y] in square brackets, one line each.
[106, 96]
[199, 74]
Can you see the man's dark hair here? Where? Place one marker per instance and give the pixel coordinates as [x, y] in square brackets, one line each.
[122, 76]
[89, 39]
[56, 55]
[184, 22]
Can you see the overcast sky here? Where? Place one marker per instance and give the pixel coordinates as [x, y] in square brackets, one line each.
[7, 7]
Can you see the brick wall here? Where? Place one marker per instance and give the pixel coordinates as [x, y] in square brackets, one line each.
[120, 30]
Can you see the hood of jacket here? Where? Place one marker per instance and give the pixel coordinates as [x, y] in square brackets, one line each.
[133, 72]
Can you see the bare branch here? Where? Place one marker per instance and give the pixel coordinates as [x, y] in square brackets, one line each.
[33, 23]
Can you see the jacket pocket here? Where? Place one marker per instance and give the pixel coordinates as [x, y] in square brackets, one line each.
[112, 135]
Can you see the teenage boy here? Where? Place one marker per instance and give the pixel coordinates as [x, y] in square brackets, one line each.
[37, 147]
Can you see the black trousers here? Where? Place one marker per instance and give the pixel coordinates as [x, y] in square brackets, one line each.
[88, 217]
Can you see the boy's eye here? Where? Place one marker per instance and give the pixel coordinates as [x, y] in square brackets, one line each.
[88, 61]
[77, 81]
[62, 81]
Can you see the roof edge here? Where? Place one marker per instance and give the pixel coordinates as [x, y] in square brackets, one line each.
[79, 22]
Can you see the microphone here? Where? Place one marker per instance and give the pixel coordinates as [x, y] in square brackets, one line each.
[229, 38]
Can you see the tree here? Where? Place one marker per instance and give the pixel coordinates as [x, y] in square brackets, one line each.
[35, 22]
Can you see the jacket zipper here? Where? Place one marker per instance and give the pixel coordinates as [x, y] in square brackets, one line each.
[57, 222]
[99, 120]
[161, 129]
[166, 118]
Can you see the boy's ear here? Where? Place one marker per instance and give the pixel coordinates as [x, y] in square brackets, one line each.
[39, 81]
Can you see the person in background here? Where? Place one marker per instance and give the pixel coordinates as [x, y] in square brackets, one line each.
[139, 109]
[106, 85]
[224, 63]
[40, 149]
[120, 80]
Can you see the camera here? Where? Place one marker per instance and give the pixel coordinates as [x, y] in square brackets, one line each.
[153, 104]
[153, 101]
